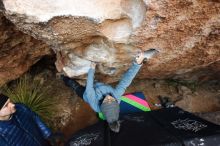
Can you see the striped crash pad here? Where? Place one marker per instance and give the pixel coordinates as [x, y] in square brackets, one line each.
[131, 103]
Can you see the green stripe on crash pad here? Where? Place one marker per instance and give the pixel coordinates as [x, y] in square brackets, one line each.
[135, 104]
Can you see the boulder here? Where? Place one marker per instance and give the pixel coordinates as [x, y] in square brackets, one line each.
[110, 32]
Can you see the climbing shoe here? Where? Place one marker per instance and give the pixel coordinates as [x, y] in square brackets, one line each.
[70, 82]
[150, 53]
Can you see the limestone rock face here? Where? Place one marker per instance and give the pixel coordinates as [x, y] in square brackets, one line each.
[18, 51]
[187, 33]
[110, 32]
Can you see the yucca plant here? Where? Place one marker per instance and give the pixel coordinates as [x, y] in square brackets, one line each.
[32, 94]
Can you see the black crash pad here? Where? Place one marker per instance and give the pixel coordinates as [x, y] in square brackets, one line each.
[171, 126]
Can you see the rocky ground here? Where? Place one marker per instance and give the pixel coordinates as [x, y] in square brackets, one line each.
[73, 114]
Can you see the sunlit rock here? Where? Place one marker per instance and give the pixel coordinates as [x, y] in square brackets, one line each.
[70, 25]
[110, 32]
[77, 66]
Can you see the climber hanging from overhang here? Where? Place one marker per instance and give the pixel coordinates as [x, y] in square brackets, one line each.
[105, 99]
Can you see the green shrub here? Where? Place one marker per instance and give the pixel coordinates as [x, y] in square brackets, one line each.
[32, 94]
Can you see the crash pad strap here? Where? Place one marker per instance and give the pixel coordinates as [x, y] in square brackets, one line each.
[132, 100]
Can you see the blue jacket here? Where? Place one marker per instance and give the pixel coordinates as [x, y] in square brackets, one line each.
[96, 92]
[24, 129]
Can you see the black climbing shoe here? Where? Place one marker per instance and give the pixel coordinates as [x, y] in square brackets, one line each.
[150, 53]
[70, 82]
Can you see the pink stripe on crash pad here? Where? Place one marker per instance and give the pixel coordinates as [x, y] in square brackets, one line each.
[138, 100]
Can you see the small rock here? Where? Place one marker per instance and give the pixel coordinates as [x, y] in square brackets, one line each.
[156, 85]
[183, 90]
[196, 93]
